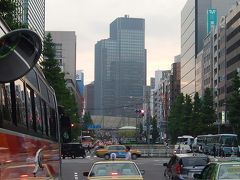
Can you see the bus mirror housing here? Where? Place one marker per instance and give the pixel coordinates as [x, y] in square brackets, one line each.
[19, 52]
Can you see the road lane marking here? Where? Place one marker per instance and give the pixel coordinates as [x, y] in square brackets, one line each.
[76, 176]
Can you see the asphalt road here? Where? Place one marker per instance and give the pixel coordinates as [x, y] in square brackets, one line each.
[72, 169]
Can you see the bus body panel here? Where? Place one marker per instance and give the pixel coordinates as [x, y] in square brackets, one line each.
[19, 153]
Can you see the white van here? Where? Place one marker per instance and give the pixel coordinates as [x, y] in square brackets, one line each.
[183, 144]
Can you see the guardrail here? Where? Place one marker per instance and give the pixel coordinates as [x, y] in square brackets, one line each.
[156, 152]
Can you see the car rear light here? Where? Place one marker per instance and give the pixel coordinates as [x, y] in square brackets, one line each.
[114, 173]
[178, 168]
[23, 176]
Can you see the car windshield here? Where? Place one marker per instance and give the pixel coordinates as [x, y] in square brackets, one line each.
[111, 169]
[194, 161]
[229, 171]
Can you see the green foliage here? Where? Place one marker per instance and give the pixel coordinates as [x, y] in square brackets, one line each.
[54, 76]
[233, 105]
[208, 112]
[187, 116]
[87, 120]
[9, 12]
[155, 132]
[197, 125]
[176, 118]
[192, 118]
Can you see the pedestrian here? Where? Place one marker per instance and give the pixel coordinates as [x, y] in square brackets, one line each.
[88, 148]
[222, 151]
[214, 150]
[128, 153]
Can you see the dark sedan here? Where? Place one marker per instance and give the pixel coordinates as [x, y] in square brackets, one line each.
[184, 166]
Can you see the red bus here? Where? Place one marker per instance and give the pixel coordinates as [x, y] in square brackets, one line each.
[87, 141]
[29, 129]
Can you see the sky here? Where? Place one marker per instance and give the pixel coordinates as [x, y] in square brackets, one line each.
[90, 19]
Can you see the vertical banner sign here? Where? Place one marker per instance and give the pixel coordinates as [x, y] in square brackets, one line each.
[211, 19]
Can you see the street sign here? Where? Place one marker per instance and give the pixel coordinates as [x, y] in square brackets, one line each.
[94, 126]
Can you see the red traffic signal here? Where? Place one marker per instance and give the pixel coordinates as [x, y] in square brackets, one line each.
[140, 112]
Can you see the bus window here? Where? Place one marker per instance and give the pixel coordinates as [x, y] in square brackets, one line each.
[20, 103]
[38, 113]
[229, 141]
[29, 108]
[1, 97]
[6, 102]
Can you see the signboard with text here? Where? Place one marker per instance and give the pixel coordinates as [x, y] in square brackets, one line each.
[211, 19]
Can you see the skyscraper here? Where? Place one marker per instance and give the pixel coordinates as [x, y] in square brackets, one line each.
[33, 15]
[65, 46]
[194, 22]
[120, 68]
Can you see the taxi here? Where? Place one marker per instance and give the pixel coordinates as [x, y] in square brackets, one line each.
[221, 169]
[114, 170]
[119, 150]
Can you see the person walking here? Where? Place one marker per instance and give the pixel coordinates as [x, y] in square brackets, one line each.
[128, 153]
[214, 150]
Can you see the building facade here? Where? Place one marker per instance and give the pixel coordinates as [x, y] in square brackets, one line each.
[32, 14]
[89, 98]
[175, 78]
[65, 49]
[65, 46]
[193, 31]
[120, 68]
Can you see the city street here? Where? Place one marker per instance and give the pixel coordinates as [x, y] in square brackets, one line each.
[72, 169]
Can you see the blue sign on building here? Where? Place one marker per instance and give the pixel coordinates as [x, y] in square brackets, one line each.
[94, 126]
[211, 19]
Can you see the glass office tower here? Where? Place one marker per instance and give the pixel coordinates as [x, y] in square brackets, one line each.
[120, 68]
[193, 31]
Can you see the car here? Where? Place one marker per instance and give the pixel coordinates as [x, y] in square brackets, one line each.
[104, 170]
[119, 150]
[73, 150]
[221, 170]
[184, 166]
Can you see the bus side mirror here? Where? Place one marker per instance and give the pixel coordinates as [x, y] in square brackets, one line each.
[19, 52]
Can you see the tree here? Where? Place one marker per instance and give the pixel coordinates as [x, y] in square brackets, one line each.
[208, 112]
[155, 132]
[175, 119]
[55, 77]
[187, 121]
[87, 120]
[10, 13]
[233, 104]
[197, 125]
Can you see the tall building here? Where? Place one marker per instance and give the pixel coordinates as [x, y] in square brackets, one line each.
[80, 81]
[194, 23]
[80, 88]
[120, 68]
[89, 98]
[232, 54]
[175, 77]
[65, 46]
[32, 13]
[65, 49]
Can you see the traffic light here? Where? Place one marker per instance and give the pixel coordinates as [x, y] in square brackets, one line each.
[140, 112]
